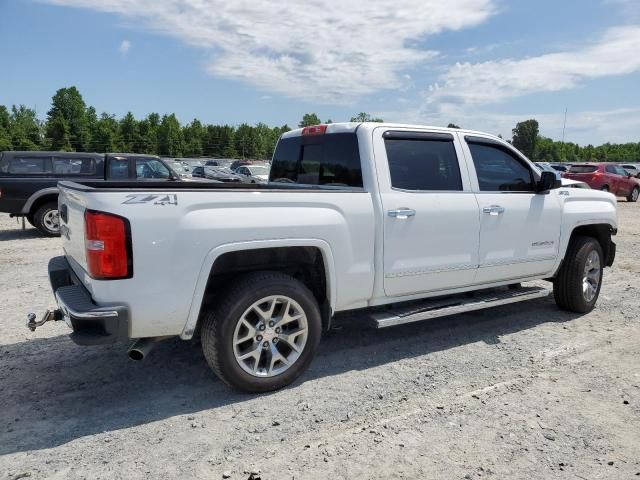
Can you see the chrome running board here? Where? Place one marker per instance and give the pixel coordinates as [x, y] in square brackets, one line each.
[452, 305]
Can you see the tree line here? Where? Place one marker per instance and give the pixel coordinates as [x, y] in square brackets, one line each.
[527, 139]
[71, 125]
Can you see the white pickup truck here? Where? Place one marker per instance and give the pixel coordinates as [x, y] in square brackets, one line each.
[402, 222]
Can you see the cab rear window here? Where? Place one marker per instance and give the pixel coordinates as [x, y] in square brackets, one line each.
[583, 169]
[331, 159]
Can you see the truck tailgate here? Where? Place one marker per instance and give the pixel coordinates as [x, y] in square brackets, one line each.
[72, 205]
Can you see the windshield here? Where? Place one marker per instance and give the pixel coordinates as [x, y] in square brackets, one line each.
[258, 170]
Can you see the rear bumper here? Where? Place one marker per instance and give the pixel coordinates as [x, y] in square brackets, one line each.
[91, 324]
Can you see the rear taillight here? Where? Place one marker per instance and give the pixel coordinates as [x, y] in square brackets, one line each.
[108, 245]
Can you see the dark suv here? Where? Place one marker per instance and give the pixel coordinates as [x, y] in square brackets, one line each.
[28, 180]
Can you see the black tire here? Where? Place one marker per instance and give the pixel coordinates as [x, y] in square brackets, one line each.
[40, 219]
[568, 284]
[220, 322]
[604, 188]
[31, 220]
[633, 196]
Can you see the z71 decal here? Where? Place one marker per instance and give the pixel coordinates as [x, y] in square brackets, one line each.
[160, 199]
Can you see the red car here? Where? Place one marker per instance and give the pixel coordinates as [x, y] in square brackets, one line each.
[608, 177]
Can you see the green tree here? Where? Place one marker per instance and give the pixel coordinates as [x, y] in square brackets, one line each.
[25, 129]
[452, 125]
[365, 117]
[68, 104]
[129, 135]
[5, 137]
[309, 119]
[525, 137]
[194, 135]
[170, 139]
[105, 137]
[58, 133]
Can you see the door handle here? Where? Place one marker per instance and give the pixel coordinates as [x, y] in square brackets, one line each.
[494, 210]
[402, 213]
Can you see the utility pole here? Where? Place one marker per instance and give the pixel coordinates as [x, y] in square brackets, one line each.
[564, 128]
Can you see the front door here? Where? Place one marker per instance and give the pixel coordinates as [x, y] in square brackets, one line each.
[431, 219]
[519, 228]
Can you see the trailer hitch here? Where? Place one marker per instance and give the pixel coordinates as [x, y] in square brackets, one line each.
[49, 316]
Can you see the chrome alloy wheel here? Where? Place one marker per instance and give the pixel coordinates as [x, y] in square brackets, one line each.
[51, 220]
[591, 276]
[270, 336]
[635, 194]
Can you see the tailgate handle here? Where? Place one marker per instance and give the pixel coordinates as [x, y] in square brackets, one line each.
[64, 213]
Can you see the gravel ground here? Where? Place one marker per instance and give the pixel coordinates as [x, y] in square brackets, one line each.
[522, 391]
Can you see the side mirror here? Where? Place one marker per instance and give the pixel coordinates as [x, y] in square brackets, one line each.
[549, 181]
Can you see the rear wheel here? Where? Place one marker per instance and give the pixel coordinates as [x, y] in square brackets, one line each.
[47, 220]
[263, 334]
[605, 188]
[577, 286]
[633, 196]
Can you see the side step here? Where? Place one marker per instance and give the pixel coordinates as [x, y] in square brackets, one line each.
[452, 305]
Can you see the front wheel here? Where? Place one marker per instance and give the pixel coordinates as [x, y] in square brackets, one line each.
[264, 333]
[46, 219]
[577, 286]
[633, 196]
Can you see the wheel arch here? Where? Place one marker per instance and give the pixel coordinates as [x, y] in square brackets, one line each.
[602, 232]
[38, 198]
[224, 262]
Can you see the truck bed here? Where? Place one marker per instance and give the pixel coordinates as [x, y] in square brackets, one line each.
[96, 186]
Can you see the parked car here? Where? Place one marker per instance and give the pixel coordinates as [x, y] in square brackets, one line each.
[566, 182]
[28, 180]
[632, 168]
[220, 174]
[238, 163]
[608, 177]
[254, 173]
[560, 167]
[180, 168]
[387, 219]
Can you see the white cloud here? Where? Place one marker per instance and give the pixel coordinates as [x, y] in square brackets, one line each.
[594, 127]
[125, 45]
[312, 50]
[616, 53]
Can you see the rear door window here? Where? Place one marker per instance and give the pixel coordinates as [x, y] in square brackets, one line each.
[331, 159]
[416, 164]
[30, 165]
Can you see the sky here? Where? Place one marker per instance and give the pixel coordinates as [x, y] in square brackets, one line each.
[481, 64]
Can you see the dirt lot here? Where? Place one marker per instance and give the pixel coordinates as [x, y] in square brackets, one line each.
[524, 391]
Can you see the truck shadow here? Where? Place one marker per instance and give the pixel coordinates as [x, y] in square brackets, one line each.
[55, 392]
[19, 234]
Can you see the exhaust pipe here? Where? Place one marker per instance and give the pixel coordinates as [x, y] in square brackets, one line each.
[140, 348]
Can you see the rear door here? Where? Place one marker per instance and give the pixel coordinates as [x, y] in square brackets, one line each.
[519, 229]
[430, 215]
[625, 184]
[613, 180]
